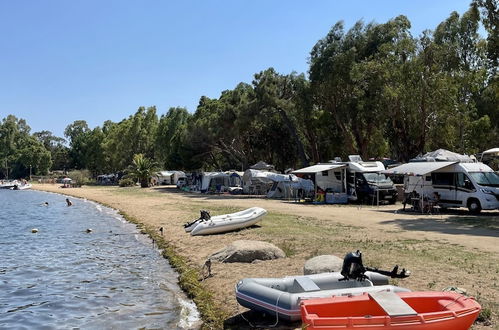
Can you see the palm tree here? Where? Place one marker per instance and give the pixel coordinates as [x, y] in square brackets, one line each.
[142, 169]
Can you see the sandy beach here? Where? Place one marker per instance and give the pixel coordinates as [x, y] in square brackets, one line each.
[452, 249]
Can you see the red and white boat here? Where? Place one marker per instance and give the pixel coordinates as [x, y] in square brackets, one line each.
[389, 310]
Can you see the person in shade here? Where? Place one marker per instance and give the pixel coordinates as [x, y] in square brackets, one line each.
[69, 202]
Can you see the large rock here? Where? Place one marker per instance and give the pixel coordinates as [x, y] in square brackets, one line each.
[323, 264]
[248, 251]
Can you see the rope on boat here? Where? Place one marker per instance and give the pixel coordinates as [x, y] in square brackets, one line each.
[266, 326]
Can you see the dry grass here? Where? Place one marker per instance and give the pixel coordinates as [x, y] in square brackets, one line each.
[441, 251]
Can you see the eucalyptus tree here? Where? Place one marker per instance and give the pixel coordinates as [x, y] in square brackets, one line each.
[462, 56]
[133, 135]
[56, 145]
[76, 133]
[21, 152]
[348, 74]
[277, 94]
[170, 135]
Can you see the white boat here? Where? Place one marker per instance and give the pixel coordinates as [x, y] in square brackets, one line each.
[227, 222]
[21, 186]
[9, 184]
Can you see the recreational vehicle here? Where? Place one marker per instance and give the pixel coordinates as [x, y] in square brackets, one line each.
[366, 183]
[457, 184]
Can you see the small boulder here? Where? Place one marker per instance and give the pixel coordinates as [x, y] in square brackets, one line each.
[323, 264]
[248, 251]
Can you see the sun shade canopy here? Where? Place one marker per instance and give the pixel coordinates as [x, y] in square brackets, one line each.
[417, 168]
[319, 168]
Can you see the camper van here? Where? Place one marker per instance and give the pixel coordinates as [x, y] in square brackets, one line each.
[366, 183]
[471, 185]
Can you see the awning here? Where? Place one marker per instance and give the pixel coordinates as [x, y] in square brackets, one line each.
[417, 168]
[165, 173]
[319, 168]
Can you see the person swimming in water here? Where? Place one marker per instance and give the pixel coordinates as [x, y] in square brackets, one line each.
[69, 202]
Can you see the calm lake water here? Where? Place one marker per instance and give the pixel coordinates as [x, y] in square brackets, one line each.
[63, 277]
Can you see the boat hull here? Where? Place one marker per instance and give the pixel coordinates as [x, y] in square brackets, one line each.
[228, 222]
[432, 311]
[282, 296]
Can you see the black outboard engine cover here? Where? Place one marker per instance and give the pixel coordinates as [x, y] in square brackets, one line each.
[205, 215]
[353, 267]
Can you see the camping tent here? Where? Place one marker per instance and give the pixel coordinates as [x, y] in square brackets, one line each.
[276, 185]
[214, 181]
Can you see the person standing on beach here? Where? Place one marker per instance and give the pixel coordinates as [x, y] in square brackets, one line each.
[68, 202]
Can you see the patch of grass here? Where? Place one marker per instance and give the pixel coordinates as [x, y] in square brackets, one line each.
[288, 248]
[485, 316]
[477, 221]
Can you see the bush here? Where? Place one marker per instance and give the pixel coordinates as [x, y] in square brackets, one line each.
[127, 182]
[80, 177]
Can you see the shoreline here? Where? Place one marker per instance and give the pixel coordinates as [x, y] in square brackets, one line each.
[305, 231]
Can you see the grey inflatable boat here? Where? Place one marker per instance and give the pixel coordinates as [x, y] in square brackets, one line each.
[282, 296]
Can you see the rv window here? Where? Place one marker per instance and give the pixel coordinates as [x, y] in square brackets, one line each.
[443, 179]
[337, 175]
[462, 181]
[325, 173]
[490, 179]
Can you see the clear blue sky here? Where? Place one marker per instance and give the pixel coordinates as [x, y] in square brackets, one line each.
[66, 60]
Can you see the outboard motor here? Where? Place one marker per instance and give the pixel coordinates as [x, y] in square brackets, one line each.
[204, 216]
[353, 268]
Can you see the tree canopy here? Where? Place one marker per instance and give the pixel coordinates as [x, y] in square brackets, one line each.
[373, 89]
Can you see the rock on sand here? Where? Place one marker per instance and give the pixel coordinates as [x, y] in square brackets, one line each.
[248, 251]
[323, 264]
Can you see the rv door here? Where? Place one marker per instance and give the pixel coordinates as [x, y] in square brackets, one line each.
[464, 187]
[444, 184]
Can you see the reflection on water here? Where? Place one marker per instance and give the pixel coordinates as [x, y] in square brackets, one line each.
[64, 277]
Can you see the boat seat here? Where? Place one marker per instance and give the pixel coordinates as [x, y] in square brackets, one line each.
[304, 284]
[392, 304]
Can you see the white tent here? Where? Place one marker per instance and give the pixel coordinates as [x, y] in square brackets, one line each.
[211, 181]
[277, 185]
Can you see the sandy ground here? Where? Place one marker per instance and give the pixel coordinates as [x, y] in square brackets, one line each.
[169, 208]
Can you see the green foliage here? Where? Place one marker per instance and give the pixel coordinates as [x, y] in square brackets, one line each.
[20, 152]
[80, 177]
[126, 182]
[373, 89]
[142, 169]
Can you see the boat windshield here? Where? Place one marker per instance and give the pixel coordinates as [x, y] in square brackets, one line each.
[490, 179]
[377, 178]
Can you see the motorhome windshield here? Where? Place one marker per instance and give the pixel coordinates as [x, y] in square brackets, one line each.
[377, 178]
[490, 179]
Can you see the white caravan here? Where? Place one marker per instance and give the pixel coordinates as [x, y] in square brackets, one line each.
[471, 185]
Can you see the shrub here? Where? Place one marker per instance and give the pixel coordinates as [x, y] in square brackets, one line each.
[127, 182]
[80, 177]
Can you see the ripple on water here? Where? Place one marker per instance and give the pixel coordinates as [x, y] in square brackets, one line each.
[63, 277]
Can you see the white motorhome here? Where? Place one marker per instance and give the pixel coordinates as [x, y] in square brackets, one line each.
[366, 183]
[471, 185]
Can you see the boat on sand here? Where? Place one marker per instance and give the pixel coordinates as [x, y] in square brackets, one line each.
[207, 224]
[282, 296]
[389, 310]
